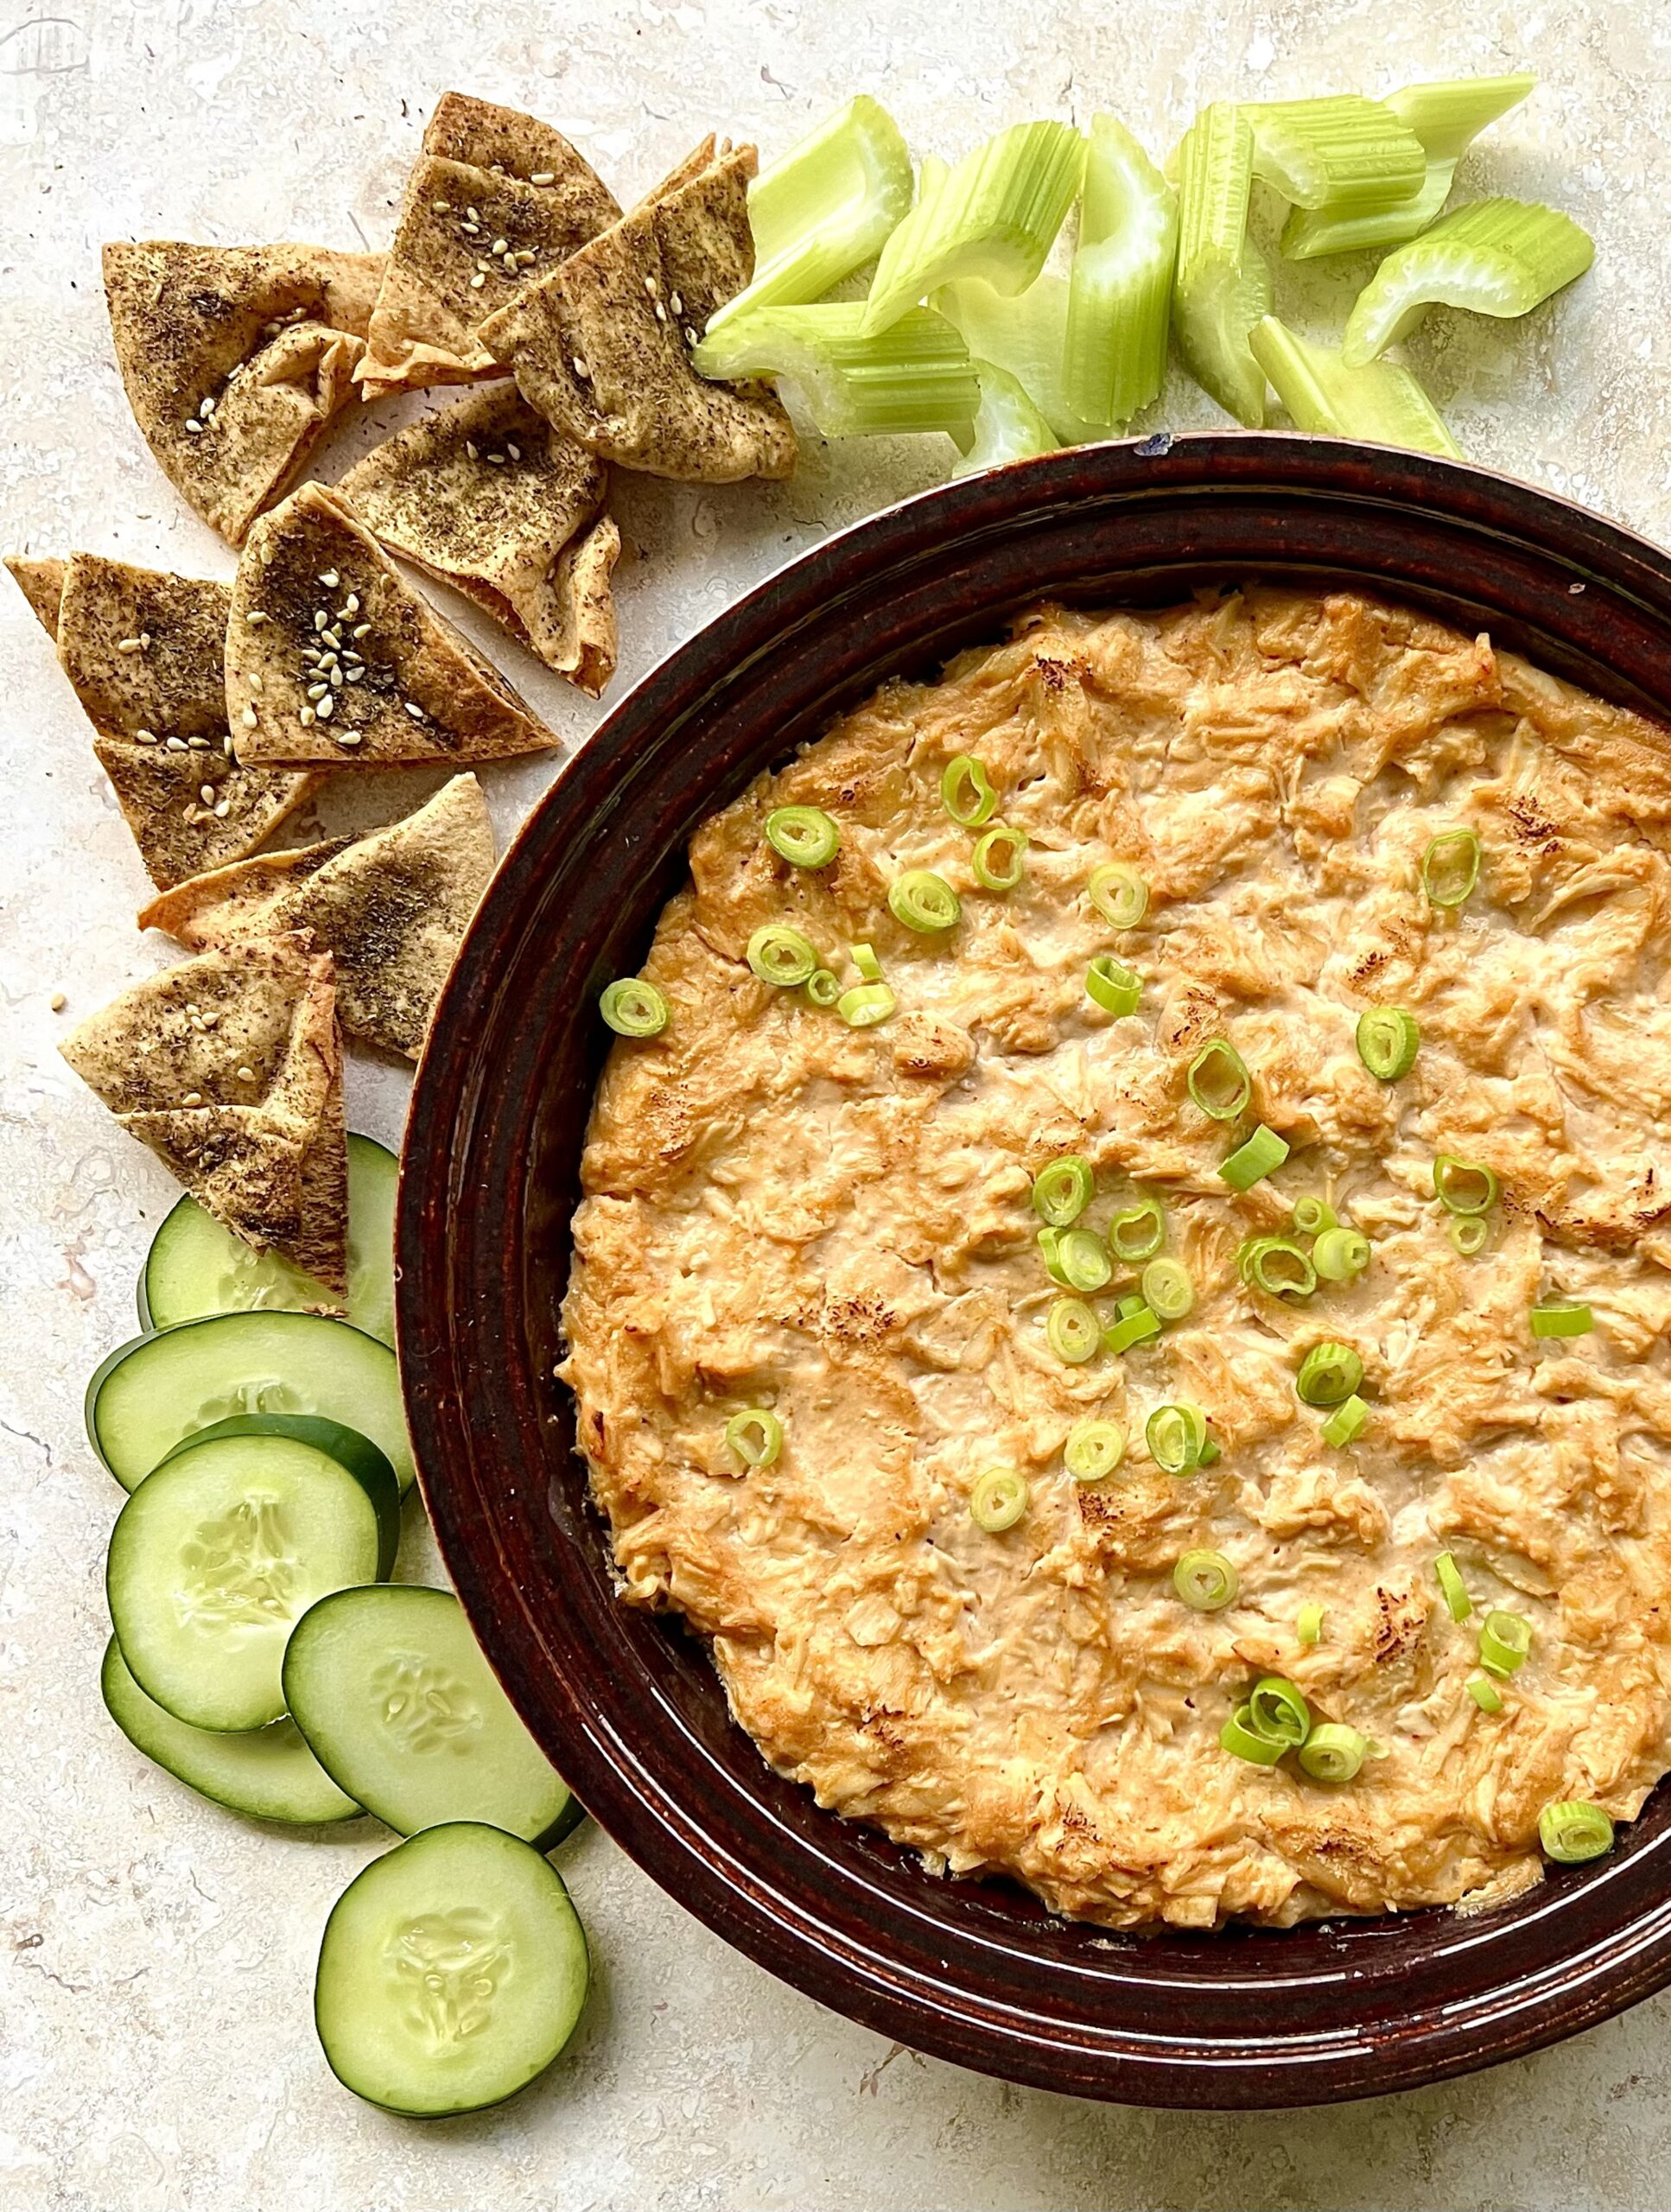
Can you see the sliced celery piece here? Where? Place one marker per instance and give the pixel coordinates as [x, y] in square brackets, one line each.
[1381, 404]
[1008, 427]
[915, 376]
[1120, 289]
[1495, 257]
[1311, 231]
[824, 209]
[995, 215]
[1449, 114]
[1222, 286]
[1341, 152]
[1027, 337]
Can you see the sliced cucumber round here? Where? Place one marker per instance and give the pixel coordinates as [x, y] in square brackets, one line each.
[270, 1772]
[452, 1972]
[389, 1686]
[196, 1267]
[155, 1392]
[220, 1551]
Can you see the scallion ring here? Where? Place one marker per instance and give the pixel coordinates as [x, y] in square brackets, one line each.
[1177, 1436]
[1562, 1320]
[865, 1004]
[1094, 1449]
[781, 955]
[1113, 986]
[756, 1436]
[1218, 1080]
[1206, 1581]
[999, 860]
[1484, 1693]
[822, 987]
[1334, 1752]
[863, 957]
[1328, 1374]
[1454, 1588]
[1119, 894]
[1062, 1190]
[1462, 1186]
[1132, 1303]
[1340, 1253]
[997, 1500]
[967, 794]
[1130, 1329]
[1573, 1832]
[1278, 1712]
[1138, 1232]
[1167, 1289]
[1312, 1215]
[1469, 1232]
[1072, 1331]
[803, 836]
[633, 1008]
[1308, 1625]
[1388, 1042]
[1345, 1424]
[1504, 1640]
[1082, 1260]
[1252, 1162]
[1240, 1736]
[1450, 868]
[1277, 1266]
[924, 901]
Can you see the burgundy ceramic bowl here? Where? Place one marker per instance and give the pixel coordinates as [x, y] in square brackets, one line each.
[626, 1704]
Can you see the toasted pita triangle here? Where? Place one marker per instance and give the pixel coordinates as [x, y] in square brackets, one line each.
[266, 337]
[490, 497]
[601, 346]
[229, 1067]
[42, 583]
[472, 190]
[317, 596]
[391, 909]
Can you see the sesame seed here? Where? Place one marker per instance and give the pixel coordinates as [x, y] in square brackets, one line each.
[197, 744]
[676, 302]
[336, 679]
[206, 793]
[661, 312]
[58, 1001]
[226, 745]
[145, 737]
[495, 460]
[442, 206]
[194, 426]
[255, 618]
[473, 449]
[250, 721]
[305, 718]
[354, 673]
[544, 177]
[347, 737]
[362, 629]
[247, 1074]
[350, 605]
[329, 578]
[326, 707]
[649, 286]
[320, 618]
[692, 337]
[206, 408]
[473, 214]
[581, 368]
[316, 690]
[252, 678]
[130, 646]
[192, 1008]
[515, 451]
[223, 807]
[334, 633]
[499, 245]
[416, 713]
[189, 814]
[193, 1099]
[176, 745]
[477, 281]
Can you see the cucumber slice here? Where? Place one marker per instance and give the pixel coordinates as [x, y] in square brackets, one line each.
[453, 1970]
[220, 1551]
[154, 1392]
[196, 1267]
[270, 1772]
[389, 1687]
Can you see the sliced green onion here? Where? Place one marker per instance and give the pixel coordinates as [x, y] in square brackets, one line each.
[1450, 868]
[995, 215]
[1222, 286]
[1334, 1752]
[1381, 404]
[1167, 1289]
[1252, 1162]
[1049, 1239]
[1206, 1581]
[997, 1500]
[1454, 1588]
[1342, 152]
[1130, 1329]
[802, 835]
[865, 1004]
[1462, 1186]
[1484, 1693]
[1218, 1080]
[1312, 1215]
[924, 901]
[1072, 1331]
[1562, 1320]
[1495, 257]
[824, 208]
[966, 793]
[633, 1008]
[1504, 1640]
[1240, 1736]
[1081, 1261]
[915, 376]
[1138, 1232]
[1340, 1253]
[1329, 1375]
[1116, 987]
[864, 959]
[1007, 426]
[1388, 1042]
[755, 1436]
[998, 860]
[1278, 1712]
[782, 956]
[822, 987]
[1573, 1832]
[1308, 1626]
[1120, 287]
[1094, 1450]
[1345, 1424]
[1177, 1436]
[1469, 1232]
[1062, 1190]
[1125, 1307]
[1119, 894]
[1280, 1268]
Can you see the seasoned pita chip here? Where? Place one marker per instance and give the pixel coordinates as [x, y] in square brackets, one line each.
[235, 358]
[145, 652]
[391, 909]
[494, 200]
[601, 346]
[331, 655]
[490, 497]
[42, 583]
[229, 1067]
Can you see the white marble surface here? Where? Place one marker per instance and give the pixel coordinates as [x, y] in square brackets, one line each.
[157, 2053]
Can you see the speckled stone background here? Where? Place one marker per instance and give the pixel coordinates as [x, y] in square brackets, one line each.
[156, 2051]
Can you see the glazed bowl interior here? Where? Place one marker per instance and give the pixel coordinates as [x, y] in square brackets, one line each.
[626, 1703]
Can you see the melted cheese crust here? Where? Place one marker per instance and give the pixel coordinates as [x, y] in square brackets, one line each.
[783, 1211]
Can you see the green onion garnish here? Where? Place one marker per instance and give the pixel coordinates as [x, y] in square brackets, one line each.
[1345, 1424]
[1218, 1080]
[1167, 1289]
[1062, 1190]
[1278, 1712]
[1495, 257]
[865, 1004]
[1048, 1241]
[1006, 426]
[966, 793]
[1132, 1303]
[1222, 286]
[1072, 1331]
[1081, 1261]
[633, 1008]
[823, 987]
[1206, 1581]
[1382, 404]
[1138, 1232]
[1573, 1831]
[781, 955]
[1308, 1626]
[1312, 1215]
[1329, 1374]
[1177, 1437]
[1504, 1641]
[1463, 1186]
[1340, 1253]
[1120, 288]
[804, 835]
[924, 901]
[998, 860]
[756, 1436]
[1252, 1162]
[1116, 987]
[1562, 1320]
[1388, 1042]
[1484, 1693]
[1277, 1266]
[863, 957]
[997, 1500]
[916, 376]
[1094, 1450]
[1119, 894]
[1450, 868]
[1469, 1232]
[1345, 151]
[1130, 1329]
[1239, 1735]
[1334, 1752]
[1454, 1588]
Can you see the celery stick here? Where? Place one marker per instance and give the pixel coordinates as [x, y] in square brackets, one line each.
[1120, 289]
[1007, 428]
[1222, 286]
[995, 215]
[1495, 257]
[1027, 337]
[1311, 231]
[915, 376]
[1336, 153]
[824, 209]
[1448, 115]
[1381, 404]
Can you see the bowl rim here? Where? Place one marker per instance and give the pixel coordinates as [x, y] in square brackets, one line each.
[454, 1260]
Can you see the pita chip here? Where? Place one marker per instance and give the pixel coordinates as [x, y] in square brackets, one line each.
[145, 653]
[491, 498]
[235, 359]
[391, 909]
[493, 200]
[42, 583]
[601, 346]
[331, 655]
[229, 1067]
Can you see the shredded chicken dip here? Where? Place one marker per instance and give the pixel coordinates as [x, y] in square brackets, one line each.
[836, 1224]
